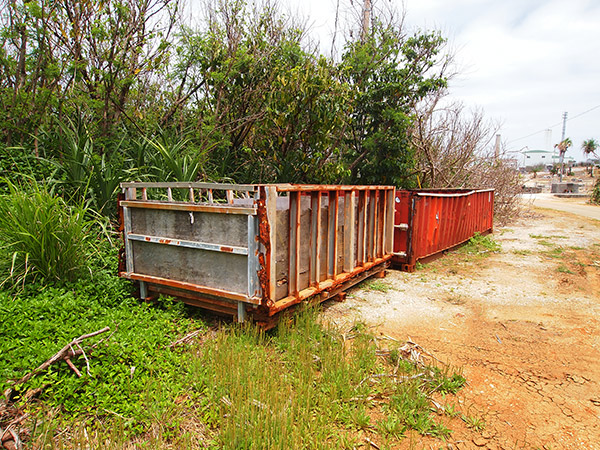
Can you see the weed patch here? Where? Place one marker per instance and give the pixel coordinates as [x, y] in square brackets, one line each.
[480, 245]
[310, 384]
[564, 269]
[556, 252]
[377, 285]
[522, 252]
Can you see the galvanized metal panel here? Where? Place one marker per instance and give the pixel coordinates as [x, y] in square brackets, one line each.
[213, 228]
[206, 268]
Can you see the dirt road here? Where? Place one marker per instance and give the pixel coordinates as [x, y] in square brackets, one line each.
[522, 323]
[577, 206]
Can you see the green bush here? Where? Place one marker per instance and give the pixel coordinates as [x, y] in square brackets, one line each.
[17, 163]
[41, 237]
[595, 197]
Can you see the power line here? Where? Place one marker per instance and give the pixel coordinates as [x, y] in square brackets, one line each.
[555, 125]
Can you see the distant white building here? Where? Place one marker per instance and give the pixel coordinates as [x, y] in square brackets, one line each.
[531, 158]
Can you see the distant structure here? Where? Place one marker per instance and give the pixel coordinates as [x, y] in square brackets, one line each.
[546, 158]
[497, 147]
[532, 158]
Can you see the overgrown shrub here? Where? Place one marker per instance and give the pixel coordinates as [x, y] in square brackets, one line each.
[595, 197]
[41, 236]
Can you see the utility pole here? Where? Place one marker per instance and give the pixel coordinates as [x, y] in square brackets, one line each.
[560, 149]
[366, 19]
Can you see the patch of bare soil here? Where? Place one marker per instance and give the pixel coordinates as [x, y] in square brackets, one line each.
[522, 323]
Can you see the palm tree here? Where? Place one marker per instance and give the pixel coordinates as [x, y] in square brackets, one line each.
[562, 149]
[589, 147]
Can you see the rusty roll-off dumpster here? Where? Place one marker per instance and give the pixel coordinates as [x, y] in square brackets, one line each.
[428, 222]
[253, 249]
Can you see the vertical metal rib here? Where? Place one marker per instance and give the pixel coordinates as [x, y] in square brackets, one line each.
[332, 234]
[294, 247]
[315, 238]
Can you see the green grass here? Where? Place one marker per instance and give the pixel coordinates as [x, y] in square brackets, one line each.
[480, 245]
[377, 285]
[473, 422]
[556, 252]
[302, 387]
[564, 269]
[541, 236]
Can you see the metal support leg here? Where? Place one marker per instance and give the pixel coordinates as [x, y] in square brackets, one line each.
[241, 315]
[143, 290]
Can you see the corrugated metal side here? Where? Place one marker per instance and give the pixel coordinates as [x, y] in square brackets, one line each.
[438, 220]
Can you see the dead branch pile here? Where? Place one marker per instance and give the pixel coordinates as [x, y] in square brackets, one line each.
[11, 418]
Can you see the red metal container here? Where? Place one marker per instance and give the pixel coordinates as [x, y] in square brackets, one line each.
[427, 222]
[253, 249]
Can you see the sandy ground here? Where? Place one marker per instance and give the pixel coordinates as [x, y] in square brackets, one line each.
[578, 206]
[523, 324]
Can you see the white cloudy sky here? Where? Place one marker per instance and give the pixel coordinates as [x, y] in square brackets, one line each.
[524, 62]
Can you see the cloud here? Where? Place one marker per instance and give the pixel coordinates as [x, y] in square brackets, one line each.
[524, 62]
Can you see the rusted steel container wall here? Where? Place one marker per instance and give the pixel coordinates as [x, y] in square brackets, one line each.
[429, 222]
[255, 249]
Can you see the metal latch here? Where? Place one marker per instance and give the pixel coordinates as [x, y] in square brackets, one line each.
[402, 226]
[400, 254]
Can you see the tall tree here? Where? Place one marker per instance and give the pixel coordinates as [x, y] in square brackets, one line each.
[59, 55]
[388, 73]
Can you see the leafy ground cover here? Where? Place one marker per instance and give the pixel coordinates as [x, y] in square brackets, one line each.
[130, 362]
[305, 385]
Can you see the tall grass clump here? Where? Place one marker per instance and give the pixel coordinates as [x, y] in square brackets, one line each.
[311, 386]
[41, 236]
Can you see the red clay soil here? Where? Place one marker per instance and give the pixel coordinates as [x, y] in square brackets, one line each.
[523, 324]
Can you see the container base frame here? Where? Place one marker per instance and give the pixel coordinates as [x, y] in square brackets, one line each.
[260, 316]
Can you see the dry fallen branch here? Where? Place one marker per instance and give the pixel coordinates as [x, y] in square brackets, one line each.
[415, 350]
[185, 339]
[371, 443]
[396, 378]
[64, 354]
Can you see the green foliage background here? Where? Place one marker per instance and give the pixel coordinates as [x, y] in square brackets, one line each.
[243, 97]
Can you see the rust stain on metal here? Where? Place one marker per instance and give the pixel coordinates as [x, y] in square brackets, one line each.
[264, 238]
[226, 249]
[191, 287]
